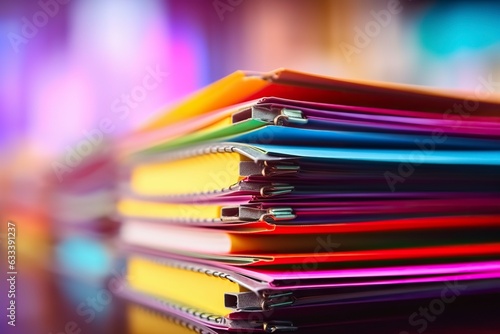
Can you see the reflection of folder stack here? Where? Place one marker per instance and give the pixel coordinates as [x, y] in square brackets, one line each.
[82, 213]
[267, 202]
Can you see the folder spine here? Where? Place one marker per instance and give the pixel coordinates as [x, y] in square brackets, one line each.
[208, 317]
[190, 267]
[176, 320]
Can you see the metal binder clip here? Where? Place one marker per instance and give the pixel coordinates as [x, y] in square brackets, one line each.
[275, 189]
[293, 116]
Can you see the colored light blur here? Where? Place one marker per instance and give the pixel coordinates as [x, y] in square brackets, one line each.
[84, 255]
[469, 26]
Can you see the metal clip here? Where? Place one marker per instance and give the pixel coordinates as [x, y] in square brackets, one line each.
[293, 116]
[279, 169]
[251, 213]
[275, 190]
[278, 214]
[277, 300]
[278, 326]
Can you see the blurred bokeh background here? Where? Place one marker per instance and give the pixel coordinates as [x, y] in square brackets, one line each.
[67, 66]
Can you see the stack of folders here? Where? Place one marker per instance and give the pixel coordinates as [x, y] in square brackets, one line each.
[283, 201]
